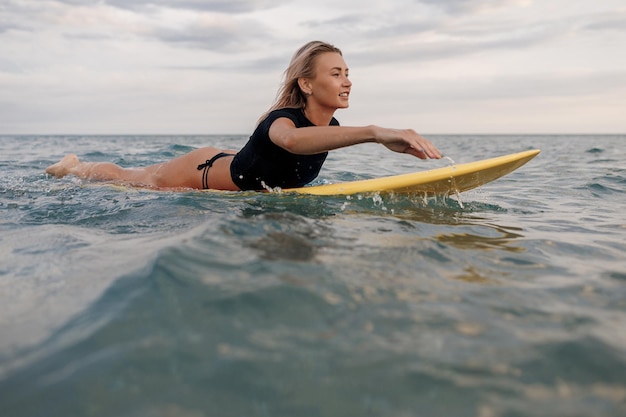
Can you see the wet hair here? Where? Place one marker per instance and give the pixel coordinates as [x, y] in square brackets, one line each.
[302, 65]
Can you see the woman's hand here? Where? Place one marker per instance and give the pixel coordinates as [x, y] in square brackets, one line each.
[407, 141]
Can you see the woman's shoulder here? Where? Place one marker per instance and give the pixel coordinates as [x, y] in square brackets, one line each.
[292, 110]
[294, 114]
[286, 111]
[266, 121]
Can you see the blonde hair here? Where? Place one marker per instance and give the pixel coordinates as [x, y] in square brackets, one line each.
[302, 65]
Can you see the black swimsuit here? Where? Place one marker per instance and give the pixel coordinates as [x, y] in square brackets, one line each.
[262, 164]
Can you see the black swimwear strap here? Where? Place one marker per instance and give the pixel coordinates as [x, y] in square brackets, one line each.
[208, 164]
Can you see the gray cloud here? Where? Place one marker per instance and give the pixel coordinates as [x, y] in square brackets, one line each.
[225, 33]
[221, 6]
[10, 66]
[8, 16]
[6, 26]
[467, 6]
[466, 38]
[55, 57]
[532, 86]
[616, 21]
[371, 26]
[344, 21]
[272, 63]
[236, 37]
[376, 39]
[459, 42]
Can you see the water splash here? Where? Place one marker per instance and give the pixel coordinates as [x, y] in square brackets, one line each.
[458, 198]
[266, 187]
[378, 201]
[450, 160]
[452, 182]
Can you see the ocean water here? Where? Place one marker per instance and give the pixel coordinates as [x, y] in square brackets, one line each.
[122, 302]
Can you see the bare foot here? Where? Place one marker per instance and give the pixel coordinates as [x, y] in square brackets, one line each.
[63, 167]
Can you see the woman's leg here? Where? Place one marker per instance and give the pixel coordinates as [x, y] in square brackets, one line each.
[181, 172]
[102, 171]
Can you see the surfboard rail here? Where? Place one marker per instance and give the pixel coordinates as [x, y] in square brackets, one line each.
[445, 180]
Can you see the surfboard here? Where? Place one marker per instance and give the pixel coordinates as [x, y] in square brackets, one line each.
[447, 180]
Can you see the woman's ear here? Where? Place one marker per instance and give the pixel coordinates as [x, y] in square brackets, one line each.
[305, 86]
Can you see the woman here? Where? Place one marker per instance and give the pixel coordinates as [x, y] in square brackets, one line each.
[288, 146]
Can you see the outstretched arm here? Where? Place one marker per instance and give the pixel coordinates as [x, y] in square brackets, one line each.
[317, 139]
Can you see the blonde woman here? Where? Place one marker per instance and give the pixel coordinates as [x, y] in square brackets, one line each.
[288, 147]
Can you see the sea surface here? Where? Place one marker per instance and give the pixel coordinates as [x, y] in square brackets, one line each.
[509, 300]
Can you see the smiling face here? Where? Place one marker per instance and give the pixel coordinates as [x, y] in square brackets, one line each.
[329, 89]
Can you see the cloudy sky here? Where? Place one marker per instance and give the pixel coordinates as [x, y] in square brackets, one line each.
[213, 66]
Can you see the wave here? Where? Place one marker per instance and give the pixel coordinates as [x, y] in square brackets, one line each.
[119, 301]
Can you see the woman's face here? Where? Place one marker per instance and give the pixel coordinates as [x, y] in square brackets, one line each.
[330, 87]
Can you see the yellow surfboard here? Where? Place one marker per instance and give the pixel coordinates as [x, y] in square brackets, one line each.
[447, 180]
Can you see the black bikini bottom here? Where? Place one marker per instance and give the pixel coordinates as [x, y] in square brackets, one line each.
[208, 164]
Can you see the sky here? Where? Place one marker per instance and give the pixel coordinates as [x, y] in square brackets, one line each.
[214, 66]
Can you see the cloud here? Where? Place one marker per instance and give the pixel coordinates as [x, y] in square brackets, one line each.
[455, 42]
[216, 33]
[152, 58]
[209, 25]
[368, 27]
[9, 66]
[524, 86]
[604, 22]
[456, 7]
[433, 39]
[9, 20]
[271, 64]
[218, 6]
[6, 26]
[6, 21]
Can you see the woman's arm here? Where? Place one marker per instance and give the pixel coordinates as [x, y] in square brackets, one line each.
[317, 139]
